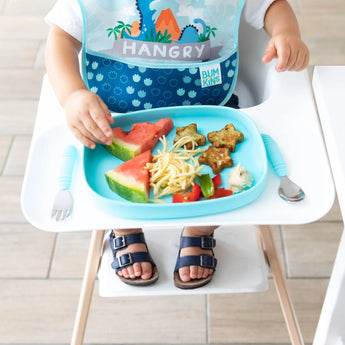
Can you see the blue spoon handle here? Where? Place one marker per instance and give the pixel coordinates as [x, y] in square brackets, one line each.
[69, 157]
[274, 155]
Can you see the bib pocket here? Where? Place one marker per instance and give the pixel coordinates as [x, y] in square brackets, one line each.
[128, 87]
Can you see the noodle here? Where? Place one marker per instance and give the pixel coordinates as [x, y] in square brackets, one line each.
[174, 170]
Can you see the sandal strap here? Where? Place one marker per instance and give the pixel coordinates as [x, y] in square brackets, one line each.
[203, 260]
[206, 242]
[121, 242]
[125, 260]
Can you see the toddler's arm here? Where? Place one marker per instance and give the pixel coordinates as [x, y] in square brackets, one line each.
[285, 44]
[86, 114]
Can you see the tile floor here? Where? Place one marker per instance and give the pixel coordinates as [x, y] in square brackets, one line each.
[40, 273]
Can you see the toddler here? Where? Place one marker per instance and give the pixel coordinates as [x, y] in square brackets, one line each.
[87, 108]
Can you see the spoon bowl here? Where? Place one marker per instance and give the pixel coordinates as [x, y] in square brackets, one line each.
[288, 190]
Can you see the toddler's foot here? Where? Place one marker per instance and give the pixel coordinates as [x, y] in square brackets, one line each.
[133, 262]
[196, 263]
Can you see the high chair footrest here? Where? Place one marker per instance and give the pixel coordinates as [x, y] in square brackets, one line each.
[241, 264]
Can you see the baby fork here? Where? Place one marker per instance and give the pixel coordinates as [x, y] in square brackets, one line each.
[63, 203]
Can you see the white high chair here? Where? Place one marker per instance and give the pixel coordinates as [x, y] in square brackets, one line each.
[329, 88]
[264, 95]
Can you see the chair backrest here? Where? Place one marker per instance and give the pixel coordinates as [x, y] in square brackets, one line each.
[253, 74]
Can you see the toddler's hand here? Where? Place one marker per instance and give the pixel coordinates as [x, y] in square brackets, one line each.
[88, 118]
[292, 53]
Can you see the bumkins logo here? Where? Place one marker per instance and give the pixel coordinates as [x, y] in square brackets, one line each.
[210, 75]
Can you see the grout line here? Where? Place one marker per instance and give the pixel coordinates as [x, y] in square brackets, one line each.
[309, 278]
[16, 222]
[25, 68]
[7, 155]
[20, 99]
[282, 241]
[207, 318]
[332, 221]
[52, 257]
[38, 279]
[305, 278]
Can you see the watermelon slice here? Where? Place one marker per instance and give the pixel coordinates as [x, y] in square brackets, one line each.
[130, 180]
[143, 136]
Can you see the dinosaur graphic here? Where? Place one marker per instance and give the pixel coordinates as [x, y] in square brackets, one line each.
[190, 33]
[147, 26]
[146, 23]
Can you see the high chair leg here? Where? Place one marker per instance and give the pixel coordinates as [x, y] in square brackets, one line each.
[91, 268]
[270, 251]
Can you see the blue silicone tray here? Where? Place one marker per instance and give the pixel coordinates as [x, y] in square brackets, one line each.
[250, 154]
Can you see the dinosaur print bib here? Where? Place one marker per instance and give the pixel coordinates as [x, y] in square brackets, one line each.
[143, 54]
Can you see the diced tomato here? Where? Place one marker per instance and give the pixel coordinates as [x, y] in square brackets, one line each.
[178, 197]
[220, 193]
[217, 180]
[193, 195]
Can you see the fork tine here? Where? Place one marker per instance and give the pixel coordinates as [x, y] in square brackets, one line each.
[58, 215]
[64, 214]
[53, 213]
[68, 212]
[62, 205]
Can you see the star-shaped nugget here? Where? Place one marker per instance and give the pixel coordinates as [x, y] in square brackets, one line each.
[190, 131]
[217, 158]
[227, 137]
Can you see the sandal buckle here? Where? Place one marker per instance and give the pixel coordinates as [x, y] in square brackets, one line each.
[119, 242]
[207, 261]
[207, 243]
[125, 260]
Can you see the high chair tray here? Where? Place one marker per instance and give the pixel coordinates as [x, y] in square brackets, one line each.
[241, 264]
[250, 154]
[289, 116]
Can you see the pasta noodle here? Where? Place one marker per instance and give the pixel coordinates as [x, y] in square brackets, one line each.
[174, 170]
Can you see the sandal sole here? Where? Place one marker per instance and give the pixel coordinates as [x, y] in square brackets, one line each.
[140, 281]
[192, 284]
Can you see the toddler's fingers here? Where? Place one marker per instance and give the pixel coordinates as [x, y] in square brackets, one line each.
[89, 129]
[90, 135]
[92, 130]
[82, 138]
[110, 119]
[100, 119]
[292, 62]
[107, 113]
[305, 61]
[270, 53]
[302, 61]
[284, 54]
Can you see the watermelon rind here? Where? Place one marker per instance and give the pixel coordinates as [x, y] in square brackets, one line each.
[122, 150]
[126, 187]
[142, 136]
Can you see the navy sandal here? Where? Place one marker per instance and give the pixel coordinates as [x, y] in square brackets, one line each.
[123, 261]
[203, 260]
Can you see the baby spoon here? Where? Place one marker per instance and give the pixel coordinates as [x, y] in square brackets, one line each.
[288, 190]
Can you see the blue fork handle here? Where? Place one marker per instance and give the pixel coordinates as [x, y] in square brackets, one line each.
[274, 155]
[69, 157]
